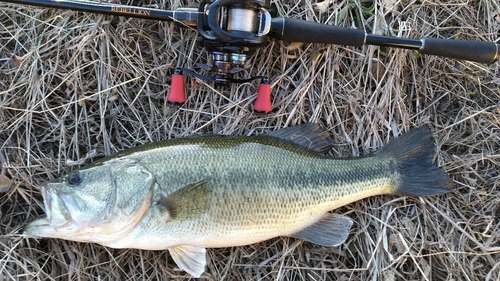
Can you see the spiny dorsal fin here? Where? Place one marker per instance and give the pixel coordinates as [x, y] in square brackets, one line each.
[308, 135]
[188, 202]
[330, 230]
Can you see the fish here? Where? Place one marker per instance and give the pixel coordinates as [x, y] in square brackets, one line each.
[185, 195]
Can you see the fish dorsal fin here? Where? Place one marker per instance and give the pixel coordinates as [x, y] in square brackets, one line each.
[187, 202]
[308, 135]
[190, 258]
[330, 230]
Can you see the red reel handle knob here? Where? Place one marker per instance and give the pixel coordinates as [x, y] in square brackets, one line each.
[177, 94]
[263, 101]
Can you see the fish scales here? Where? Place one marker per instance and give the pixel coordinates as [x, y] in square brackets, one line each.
[255, 192]
[189, 194]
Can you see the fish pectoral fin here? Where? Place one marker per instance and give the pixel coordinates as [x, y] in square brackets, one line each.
[188, 202]
[190, 258]
[330, 230]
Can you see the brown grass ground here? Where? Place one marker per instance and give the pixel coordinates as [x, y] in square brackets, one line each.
[75, 87]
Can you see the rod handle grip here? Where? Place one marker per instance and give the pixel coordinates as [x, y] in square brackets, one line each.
[478, 51]
[296, 30]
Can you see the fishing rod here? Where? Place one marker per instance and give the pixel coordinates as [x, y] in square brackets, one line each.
[232, 30]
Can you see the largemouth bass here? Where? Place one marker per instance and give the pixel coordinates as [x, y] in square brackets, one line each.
[189, 194]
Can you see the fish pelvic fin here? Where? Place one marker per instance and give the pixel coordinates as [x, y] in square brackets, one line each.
[330, 230]
[413, 153]
[190, 258]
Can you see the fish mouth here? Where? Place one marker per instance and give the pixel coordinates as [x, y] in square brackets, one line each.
[38, 227]
[47, 199]
[57, 214]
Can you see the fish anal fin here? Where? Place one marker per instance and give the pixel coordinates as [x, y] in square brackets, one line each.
[308, 135]
[330, 230]
[188, 202]
[190, 258]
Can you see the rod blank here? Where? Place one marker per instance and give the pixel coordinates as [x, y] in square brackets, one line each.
[108, 9]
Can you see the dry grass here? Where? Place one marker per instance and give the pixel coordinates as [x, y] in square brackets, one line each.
[75, 87]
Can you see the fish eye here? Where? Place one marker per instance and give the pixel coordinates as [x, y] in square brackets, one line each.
[74, 178]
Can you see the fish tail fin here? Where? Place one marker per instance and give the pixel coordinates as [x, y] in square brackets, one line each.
[413, 153]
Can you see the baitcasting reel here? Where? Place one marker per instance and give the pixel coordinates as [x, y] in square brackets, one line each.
[233, 29]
